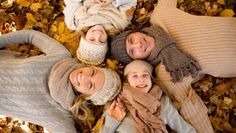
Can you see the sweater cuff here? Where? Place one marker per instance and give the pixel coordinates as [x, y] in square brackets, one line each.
[112, 123]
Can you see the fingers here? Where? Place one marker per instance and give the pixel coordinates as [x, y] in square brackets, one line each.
[113, 105]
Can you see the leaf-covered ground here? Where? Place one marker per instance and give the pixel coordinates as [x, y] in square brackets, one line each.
[46, 16]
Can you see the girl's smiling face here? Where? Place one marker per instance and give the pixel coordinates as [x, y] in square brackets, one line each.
[96, 35]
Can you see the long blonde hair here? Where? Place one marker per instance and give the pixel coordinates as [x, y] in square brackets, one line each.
[81, 111]
[85, 113]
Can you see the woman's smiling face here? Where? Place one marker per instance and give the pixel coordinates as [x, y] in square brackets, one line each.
[87, 80]
[139, 45]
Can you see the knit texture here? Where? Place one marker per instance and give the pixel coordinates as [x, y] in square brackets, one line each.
[118, 50]
[110, 89]
[144, 108]
[168, 113]
[23, 83]
[112, 16]
[91, 53]
[177, 63]
[60, 87]
[138, 64]
[209, 40]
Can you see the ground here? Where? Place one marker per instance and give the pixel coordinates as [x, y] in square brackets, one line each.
[46, 16]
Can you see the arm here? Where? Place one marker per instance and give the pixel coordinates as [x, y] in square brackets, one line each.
[172, 118]
[124, 5]
[116, 113]
[167, 3]
[111, 124]
[46, 44]
[69, 12]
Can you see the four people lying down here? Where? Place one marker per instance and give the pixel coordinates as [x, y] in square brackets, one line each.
[53, 89]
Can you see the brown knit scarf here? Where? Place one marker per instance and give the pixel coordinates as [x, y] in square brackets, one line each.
[144, 108]
[176, 62]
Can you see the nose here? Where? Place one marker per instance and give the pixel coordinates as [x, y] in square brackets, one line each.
[140, 80]
[97, 36]
[84, 78]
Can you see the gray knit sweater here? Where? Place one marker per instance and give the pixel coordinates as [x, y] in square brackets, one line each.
[24, 92]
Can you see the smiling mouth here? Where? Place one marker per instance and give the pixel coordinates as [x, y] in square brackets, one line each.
[141, 86]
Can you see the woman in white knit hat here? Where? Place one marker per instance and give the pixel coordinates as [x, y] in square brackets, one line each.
[96, 19]
[182, 47]
[32, 87]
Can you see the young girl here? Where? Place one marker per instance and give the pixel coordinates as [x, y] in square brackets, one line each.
[149, 108]
[182, 47]
[96, 19]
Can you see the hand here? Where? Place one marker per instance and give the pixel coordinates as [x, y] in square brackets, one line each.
[117, 110]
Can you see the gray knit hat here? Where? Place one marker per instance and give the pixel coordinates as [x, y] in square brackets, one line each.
[60, 87]
[91, 53]
[110, 90]
[118, 50]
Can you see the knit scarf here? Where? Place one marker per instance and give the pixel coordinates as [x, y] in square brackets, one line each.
[109, 16]
[144, 108]
[165, 50]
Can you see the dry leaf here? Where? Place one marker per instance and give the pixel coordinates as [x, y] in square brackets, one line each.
[24, 3]
[99, 124]
[221, 1]
[35, 6]
[227, 13]
[112, 64]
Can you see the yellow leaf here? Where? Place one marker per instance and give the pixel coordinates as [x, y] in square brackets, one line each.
[112, 64]
[53, 28]
[61, 28]
[227, 13]
[227, 100]
[98, 125]
[221, 1]
[30, 17]
[24, 3]
[35, 6]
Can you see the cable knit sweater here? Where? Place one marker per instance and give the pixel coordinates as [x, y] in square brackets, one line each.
[79, 15]
[209, 40]
[169, 115]
[24, 90]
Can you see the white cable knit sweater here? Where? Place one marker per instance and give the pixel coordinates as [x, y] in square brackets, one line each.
[24, 90]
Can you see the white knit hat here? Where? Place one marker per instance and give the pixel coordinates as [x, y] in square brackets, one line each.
[138, 64]
[110, 90]
[91, 53]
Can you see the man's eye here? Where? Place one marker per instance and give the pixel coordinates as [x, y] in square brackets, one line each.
[134, 76]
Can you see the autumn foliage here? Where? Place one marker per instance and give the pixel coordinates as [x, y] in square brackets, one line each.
[46, 16]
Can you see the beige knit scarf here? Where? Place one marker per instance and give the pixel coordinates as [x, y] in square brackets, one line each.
[176, 62]
[109, 16]
[144, 108]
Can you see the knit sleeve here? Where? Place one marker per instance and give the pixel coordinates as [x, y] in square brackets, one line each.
[69, 12]
[110, 125]
[125, 6]
[46, 44]
[172, 118]
[167, 3]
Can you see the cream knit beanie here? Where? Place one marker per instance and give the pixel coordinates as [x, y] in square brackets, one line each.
[138, 65]
[110, 90]
[91, 53]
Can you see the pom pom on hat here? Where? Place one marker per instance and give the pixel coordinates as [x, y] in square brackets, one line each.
[91, 53]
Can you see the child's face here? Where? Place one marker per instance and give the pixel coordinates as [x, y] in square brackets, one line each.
[140, 79]
[96, 35]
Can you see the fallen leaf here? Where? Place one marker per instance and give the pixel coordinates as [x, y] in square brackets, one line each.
[227, 13]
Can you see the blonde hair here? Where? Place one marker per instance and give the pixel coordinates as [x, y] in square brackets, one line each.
[81, 112]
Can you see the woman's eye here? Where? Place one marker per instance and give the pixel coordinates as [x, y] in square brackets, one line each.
[92, 39]
[134, 76]
[92, 74]
[146, 75]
